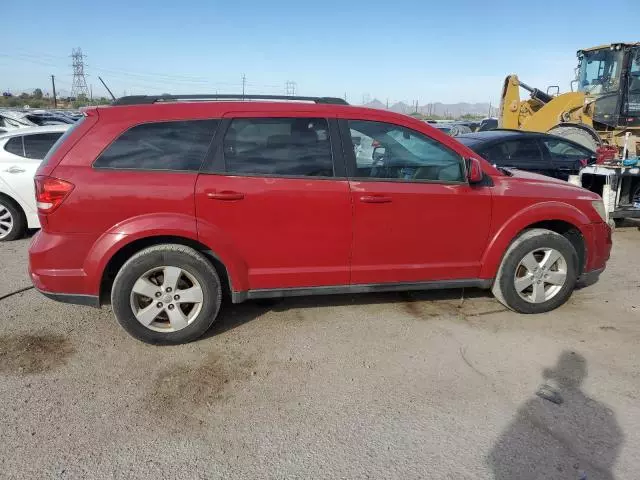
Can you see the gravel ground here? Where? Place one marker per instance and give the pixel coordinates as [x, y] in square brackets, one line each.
[421, 385]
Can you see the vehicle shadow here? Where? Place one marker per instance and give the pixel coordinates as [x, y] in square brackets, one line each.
[235, 315]
[561, 433]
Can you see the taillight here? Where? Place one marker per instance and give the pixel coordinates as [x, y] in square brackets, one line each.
[51, 192]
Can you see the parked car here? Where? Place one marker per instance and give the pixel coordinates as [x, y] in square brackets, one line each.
[535, 152]
[162, 205]
[21, 152]
[12, 119]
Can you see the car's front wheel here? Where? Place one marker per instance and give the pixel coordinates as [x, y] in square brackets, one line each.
[166, 294]
[538, 273]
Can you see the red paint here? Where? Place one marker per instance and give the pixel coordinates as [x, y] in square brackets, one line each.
[273, 232]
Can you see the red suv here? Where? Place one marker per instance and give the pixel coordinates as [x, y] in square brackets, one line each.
[162, 204]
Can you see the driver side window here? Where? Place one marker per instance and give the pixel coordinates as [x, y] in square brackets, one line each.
[387, 151]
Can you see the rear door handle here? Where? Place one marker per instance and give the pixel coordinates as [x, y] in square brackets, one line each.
[375, 199]
[15, 170]
[225, 195]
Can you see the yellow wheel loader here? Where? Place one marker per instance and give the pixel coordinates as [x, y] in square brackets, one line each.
[604, 109]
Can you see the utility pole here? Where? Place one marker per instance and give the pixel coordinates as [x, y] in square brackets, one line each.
[91, 92]
[489, 109]
[387, 103]
[53, 85]
[244, 83]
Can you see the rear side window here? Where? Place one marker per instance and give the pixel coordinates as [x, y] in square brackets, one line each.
[37, 146]
[160, 146]
[279, 146]
[14, 145]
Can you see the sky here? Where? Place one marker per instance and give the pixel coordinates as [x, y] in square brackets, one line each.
[432, 51]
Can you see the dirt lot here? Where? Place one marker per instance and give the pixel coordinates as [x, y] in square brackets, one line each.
[422, 385]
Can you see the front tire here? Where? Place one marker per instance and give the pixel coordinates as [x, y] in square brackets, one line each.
[538, 273]
[166, 294]
[13, 223]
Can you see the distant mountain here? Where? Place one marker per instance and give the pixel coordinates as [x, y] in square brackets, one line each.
[441, 109]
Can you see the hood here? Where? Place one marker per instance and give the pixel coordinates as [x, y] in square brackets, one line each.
[549, 182]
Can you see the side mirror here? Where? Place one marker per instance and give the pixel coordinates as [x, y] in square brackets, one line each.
[474, 171]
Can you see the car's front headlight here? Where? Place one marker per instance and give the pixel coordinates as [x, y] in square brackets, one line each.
[598, 206]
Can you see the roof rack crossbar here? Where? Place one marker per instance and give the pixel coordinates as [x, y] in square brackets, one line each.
[150, 99]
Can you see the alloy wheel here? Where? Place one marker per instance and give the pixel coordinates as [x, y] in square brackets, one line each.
[166, 299]
[540, 275]
[6, 221]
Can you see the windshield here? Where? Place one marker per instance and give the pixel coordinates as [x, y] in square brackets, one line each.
[599, 71]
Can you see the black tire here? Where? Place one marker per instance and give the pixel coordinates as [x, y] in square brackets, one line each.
[504, 288]
[583, 136]
[187, 259]
[19, 221]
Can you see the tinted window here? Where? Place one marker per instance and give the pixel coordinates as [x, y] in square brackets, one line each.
[279, 146]
[160, 146]
[509, 153]
[384, 150]
[14, 145]
[37, 146]
[560, 148]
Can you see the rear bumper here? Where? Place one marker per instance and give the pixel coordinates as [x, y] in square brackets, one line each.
[589, 278]
[75, 299]
[56, 265]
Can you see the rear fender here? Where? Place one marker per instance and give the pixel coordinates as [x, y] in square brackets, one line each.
[158, 225]
[521, 220]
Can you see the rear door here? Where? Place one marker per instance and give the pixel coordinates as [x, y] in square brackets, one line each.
[277, 193]
[416, 218]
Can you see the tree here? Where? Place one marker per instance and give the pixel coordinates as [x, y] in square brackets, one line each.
[37, 94]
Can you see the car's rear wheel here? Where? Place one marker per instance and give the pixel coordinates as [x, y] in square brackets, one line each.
[13, 223]
[538, 273]
[166, 294]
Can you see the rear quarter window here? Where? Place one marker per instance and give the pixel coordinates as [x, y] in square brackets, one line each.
[14, 145]
[179, 145]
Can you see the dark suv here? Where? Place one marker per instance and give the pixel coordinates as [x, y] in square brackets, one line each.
[163, 204]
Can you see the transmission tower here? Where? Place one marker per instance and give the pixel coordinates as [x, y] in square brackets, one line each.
[290, 88]
[79, 85]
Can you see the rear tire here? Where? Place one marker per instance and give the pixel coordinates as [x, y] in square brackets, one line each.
[146, 295]
[576, 134]
[547, 284]
[13, 223]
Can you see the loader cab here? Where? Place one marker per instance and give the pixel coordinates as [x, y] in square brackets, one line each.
[610, 75]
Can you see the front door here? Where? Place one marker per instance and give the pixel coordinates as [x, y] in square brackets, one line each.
[280, 199]
[416, 218]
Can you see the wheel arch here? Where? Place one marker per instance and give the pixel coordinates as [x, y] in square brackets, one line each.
[561, 218]
[126, 251]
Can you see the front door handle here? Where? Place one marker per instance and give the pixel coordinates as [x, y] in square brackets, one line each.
[225, 195]
[15, 170]
[375, 199]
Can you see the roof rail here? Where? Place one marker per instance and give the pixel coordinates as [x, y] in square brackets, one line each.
[150, 99]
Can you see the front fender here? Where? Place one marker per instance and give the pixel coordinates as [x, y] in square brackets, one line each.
[160, 225]
[509, 230]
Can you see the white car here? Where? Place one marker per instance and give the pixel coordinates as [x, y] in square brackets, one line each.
[21, 152]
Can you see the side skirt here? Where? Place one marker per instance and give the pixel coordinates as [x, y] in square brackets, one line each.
[239, 297]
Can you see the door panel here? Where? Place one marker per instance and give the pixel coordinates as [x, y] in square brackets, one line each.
[282, 204]
[424, 232]
[18, 173]
[415, 217]
[291, 232]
